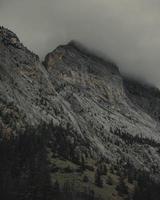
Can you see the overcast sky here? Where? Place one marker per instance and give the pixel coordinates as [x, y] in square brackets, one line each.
[127, 31]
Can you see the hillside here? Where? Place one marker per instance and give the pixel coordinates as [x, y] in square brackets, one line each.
[73, 127]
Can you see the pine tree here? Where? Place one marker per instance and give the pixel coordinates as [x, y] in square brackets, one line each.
[121, 187]
[98, 179]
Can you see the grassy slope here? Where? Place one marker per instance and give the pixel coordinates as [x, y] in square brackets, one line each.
[76, 178]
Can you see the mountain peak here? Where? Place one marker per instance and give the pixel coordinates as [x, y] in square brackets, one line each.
[7, 37]
[10, 40]
[75, 52]
[99, 116]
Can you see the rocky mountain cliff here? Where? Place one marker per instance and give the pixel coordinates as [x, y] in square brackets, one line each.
[108, 117]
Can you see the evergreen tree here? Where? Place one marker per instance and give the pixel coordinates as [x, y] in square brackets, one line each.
[121, 187]
[98, 179]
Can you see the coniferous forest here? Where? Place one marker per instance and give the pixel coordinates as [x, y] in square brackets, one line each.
[25, 170]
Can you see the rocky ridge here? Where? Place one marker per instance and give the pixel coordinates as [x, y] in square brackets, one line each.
[79, 90]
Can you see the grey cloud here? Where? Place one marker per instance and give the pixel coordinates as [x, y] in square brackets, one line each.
[126, 31]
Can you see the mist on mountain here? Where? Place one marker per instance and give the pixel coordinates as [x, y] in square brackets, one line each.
[125, 31]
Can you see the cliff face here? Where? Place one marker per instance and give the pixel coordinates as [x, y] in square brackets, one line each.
[144, 96]
[100, 105]
[74, 89]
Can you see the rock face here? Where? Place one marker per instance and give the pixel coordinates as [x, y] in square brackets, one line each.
[146, 97]
[76, 89]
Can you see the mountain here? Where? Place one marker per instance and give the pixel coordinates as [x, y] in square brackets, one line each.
[73, 127]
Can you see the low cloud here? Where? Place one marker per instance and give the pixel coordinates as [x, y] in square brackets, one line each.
[126, 31]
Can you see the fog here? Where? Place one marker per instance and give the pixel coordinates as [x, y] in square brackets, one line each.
[127, 31]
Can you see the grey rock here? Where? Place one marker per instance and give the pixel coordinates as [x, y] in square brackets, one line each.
[76, 88]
